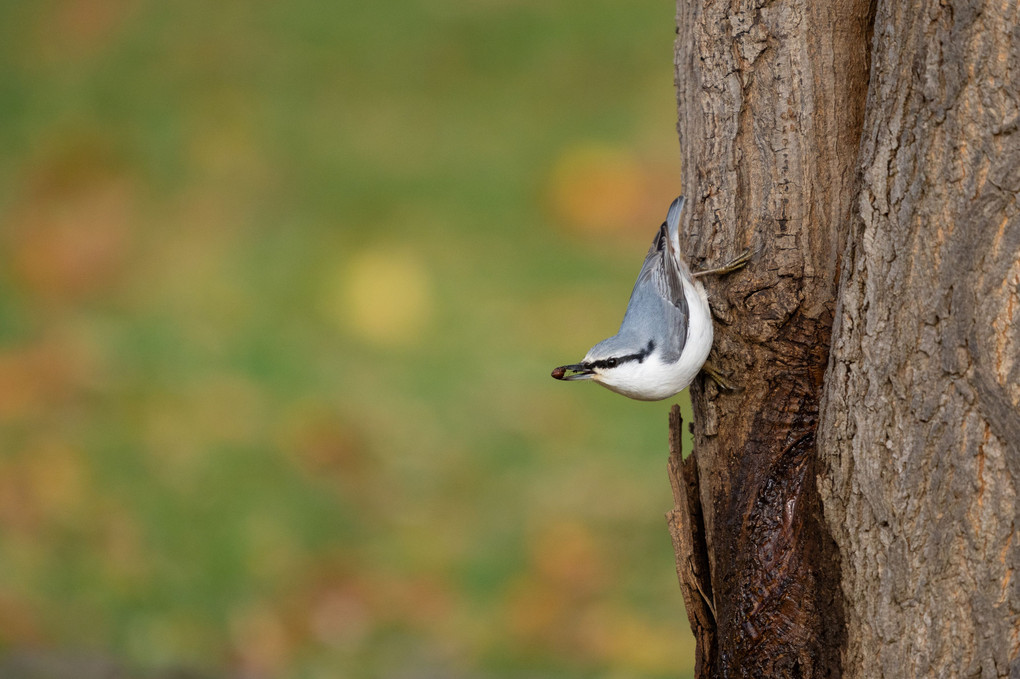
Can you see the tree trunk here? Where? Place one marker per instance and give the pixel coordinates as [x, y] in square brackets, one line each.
[906, 179]
[771, 103]
[921, 425]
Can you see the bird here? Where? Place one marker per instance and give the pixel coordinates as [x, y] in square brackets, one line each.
[666, 333]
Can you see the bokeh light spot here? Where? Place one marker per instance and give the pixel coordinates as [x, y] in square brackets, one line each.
[383, 295]
[69, 235]
[596, 188]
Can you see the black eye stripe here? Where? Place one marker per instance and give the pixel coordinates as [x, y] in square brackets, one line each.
[618, 360]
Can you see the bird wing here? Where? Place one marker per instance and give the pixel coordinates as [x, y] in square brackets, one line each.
[661, 270]
[659, 295]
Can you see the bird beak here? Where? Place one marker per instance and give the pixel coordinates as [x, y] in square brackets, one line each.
[571, 373]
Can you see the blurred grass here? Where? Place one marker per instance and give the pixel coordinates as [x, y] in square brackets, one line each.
[280, 288]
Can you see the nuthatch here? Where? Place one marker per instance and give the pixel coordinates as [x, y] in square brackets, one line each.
[666, 333]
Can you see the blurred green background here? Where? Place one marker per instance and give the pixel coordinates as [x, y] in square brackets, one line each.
[282, 284]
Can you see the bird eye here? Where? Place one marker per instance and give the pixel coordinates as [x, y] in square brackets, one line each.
[610, 362]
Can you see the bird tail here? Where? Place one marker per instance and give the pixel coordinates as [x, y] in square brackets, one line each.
[673, 221]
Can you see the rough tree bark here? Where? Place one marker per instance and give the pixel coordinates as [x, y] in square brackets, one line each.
[771, 103]
[903, 172]
[921, 419]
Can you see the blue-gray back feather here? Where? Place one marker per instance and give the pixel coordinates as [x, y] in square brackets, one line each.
[658, 305]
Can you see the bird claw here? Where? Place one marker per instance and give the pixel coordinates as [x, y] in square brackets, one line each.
[733, 265]
[719, 377]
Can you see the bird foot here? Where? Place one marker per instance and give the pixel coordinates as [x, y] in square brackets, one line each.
[733, 265]
[719, 377]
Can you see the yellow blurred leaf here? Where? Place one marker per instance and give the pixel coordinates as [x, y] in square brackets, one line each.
[36, 377]
[70, 235]
[596, 188]
[127, 560]
[324, 444]
[536, 612]
[262, 645]
[73, 29]
[618, 637]
[566, 554]
[339, 617]
[57, 477]
[19, 623]
[383, 294]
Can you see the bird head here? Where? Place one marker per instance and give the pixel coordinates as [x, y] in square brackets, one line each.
[614, 363]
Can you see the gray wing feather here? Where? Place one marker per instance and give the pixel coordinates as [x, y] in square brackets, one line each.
[658, 306]
[661, 271]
